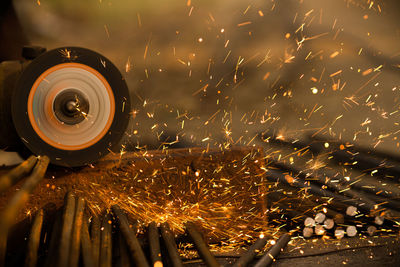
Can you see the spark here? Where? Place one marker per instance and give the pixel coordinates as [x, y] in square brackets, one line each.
[106, 30]
[314, 90]
[128, 65]
[244, 23]
[335, 73]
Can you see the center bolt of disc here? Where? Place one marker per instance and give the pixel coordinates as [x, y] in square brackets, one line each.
[71, 106]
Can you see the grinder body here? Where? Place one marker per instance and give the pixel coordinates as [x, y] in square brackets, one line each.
[71, 104]
[9, 73]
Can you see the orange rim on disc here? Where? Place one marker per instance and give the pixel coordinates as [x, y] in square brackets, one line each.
[41, 111]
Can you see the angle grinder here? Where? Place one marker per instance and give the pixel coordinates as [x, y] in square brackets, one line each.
[71, 104]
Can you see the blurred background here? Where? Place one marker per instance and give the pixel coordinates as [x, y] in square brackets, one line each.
[219, 73]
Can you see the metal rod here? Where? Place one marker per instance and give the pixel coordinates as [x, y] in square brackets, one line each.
[170, 244]
[368, 199]
[251, 253]
[281, 200]
[308, 232]
[337, 210]
[336, 216]
[379, 220]
[66, 230]
[130, 237]
[13, 176]
[339, 233]
[122, 251]
[320, 217]
[371, 230]
[95, 234]
[369, 184]
[273, 252]
[367, 202]
[278, 176]
[34, 240]
[87, 252]
[299, 212]
[329, 224]
[106, 242]
[76, 233]
[22, 196]
[276, 199]
[54, 240]
[361, 197]
[351, 211]
[384, 166]
[154, 243]
[351, 230]
[8, 215]
[333, 217]
[201, 246]
[309, 222]
[386, 202]
[350, 220]
[359, 148]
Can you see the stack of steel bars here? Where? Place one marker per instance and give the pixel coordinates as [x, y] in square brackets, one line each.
[333, 188]
[78, 239]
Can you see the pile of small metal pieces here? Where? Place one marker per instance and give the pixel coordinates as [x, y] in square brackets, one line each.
[322, 201]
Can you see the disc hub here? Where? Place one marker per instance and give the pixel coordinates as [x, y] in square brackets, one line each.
[71, 106]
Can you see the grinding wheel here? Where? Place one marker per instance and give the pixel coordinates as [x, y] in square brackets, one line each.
[71, 104]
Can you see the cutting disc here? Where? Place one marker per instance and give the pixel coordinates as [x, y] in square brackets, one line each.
[71, 104]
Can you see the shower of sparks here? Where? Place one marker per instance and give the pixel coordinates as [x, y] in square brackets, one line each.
[296, 72]
[223, 191]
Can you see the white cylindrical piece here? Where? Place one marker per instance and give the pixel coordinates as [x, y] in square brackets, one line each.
[351, 230]
[308, 232]
[309, 222]
[379, 220]
[351, 211]
[329, 224]
[371, 230]
[320, 217]
[339, 233]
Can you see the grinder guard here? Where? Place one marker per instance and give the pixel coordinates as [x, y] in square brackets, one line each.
[71, 104]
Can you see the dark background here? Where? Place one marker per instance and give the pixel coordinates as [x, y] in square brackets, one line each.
[220, 72]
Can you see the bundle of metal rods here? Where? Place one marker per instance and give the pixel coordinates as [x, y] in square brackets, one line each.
[77, 239]
[8, 215]
[337, 205]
